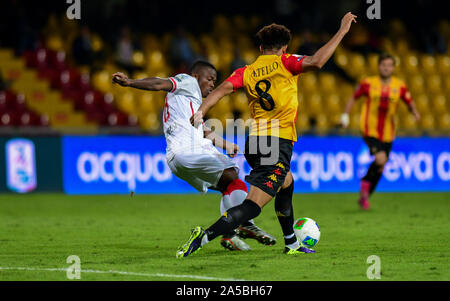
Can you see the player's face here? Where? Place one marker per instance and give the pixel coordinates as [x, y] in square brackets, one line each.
[206, 78]
[386, 68]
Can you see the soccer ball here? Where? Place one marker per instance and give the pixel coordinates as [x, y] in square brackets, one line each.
[307, 231]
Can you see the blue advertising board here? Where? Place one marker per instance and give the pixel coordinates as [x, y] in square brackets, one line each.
[121, 164]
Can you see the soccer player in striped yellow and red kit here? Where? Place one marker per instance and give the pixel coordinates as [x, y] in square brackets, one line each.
[382, 95]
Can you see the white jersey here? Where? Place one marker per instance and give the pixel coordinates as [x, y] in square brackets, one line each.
[181, 103]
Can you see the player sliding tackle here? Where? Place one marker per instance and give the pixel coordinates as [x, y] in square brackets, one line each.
[190, 152]
[271, 87]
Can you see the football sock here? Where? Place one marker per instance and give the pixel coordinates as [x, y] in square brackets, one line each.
[232, 218]
[204, 240]
[375, 181]
[285, 213]
[225, 204]
[373, 176]
[295, 244]
[234, 195]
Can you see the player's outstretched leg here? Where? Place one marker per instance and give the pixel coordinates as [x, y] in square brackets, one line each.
[226, 223]
[234, 194]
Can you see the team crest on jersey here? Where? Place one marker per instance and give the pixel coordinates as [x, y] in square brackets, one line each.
[299, 57]
[180, 77]
[171, 129]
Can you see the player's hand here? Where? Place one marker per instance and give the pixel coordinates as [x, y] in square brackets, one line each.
[121, 79]
[232, 150]
[345, 120]
[197, 119]
[416, 116]
[347, 21]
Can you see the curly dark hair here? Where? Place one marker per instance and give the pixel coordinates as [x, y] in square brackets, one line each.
[274, 36]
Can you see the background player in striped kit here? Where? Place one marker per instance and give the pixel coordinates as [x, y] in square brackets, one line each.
[382, 93]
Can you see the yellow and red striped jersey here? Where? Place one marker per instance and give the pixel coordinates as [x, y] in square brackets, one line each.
[381, 102]
[271, 87]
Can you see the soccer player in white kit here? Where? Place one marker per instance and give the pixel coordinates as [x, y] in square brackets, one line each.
[191, 153]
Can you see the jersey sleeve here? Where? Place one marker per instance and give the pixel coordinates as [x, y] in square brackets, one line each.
[405, 95]
[184, 84]
[293, 63]
[237, 78]
[362, 89]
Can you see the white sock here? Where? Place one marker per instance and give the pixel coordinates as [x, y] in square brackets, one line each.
[235, 197]
[238, 196]
[204, 240]
[225, 203]
[294, 245]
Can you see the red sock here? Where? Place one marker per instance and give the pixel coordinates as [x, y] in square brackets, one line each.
[365, 189]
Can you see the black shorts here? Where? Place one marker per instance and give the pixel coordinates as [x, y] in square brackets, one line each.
[376, 146]
[270, 160]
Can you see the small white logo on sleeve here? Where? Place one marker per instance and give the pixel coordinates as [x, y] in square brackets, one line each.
[20, 165]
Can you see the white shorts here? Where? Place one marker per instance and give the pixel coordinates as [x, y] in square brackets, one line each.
[201, 170]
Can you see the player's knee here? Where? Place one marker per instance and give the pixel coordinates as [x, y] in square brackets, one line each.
[381, 159]
[228, 176]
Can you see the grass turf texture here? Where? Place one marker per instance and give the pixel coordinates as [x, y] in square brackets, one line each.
[410, 233]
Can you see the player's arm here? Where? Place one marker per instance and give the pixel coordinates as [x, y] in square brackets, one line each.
[221, 91]
[231, 149]
[345, 118]
[149, 84]
[318, 60]
[363, 89]
[405, 95]
[412, 108]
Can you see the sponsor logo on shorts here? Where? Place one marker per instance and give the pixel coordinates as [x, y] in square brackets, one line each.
[280, 165]
[269, 184]
[273, 178]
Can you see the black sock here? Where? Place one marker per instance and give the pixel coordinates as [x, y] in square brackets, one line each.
[247, 223]
[232, 218]
[373, 176]
[285, 212]
[374, 182]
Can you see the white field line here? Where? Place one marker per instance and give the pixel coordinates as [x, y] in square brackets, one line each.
[122, 273]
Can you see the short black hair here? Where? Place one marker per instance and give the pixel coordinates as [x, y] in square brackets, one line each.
[386, 56]
[199, 64]
[274, 36]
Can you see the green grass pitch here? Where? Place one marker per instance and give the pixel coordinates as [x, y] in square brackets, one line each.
[124, 238]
